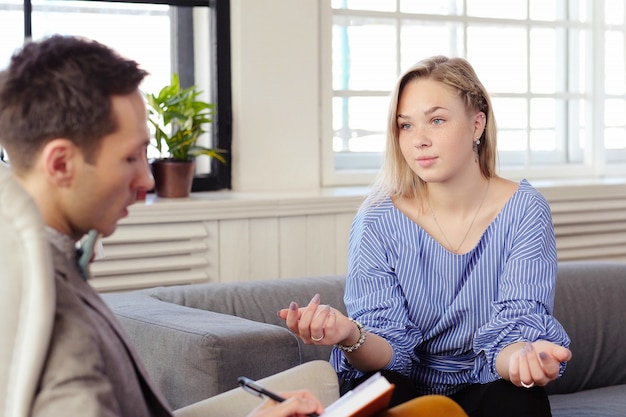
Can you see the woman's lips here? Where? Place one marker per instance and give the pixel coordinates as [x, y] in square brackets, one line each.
[426, 161]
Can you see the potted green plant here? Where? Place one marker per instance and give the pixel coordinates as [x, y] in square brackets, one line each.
[178, 118]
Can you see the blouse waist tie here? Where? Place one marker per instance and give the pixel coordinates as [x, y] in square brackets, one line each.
[448, 363]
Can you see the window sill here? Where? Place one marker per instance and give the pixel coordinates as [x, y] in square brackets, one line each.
[226, 204]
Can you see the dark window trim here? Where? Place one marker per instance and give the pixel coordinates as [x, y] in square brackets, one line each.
[220, 175]
[189, 3]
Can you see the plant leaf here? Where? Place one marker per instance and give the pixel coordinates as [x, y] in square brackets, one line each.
[179, 118]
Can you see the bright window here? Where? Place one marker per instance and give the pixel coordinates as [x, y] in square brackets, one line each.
[161, 35]
[555, 70]
[134, 36]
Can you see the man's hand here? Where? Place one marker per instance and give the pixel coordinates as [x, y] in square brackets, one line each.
[297, 404]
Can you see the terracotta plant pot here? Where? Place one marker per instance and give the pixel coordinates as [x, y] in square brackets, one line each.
[173, 178]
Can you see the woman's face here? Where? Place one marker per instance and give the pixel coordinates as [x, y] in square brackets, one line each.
[436, 132]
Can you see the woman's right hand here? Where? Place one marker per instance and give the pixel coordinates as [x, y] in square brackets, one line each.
[323, 325]
[317, 323]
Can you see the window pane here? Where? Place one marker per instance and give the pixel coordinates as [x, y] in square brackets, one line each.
[544, 9]
[510, 113]
[577, 130]
[512, 145]
[552, 10]
[379, 5]
[542, 140]
[512, 140]
[11, 29]
[544, 61]
[580, 13]
[615, 112]
[420, 40]
[500, 61]
[363, 54]
[359, 124]
[134, 35]
[557, 135]
[614, 12]
[616, 156]
[543, 113]
[614, 70]
[510, 9]
[449, 7]
[615, 138]
[546, 148]
[576, 66]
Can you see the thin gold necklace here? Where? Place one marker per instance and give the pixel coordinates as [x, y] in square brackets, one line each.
[456, 251]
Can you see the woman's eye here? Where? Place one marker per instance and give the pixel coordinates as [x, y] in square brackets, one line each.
[404, 126]
[437, 121]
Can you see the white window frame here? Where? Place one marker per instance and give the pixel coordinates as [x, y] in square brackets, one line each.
[594, 158]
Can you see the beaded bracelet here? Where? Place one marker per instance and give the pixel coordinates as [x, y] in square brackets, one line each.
[359, 343]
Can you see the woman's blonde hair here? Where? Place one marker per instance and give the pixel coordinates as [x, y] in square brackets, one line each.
[396, 179]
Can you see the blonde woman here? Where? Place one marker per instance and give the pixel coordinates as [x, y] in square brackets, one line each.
[450, 286]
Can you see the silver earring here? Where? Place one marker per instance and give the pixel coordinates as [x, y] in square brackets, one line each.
[475, 145]
[475, 149]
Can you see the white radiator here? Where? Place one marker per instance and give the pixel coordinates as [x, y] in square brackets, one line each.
[146, 255]
[589, 221]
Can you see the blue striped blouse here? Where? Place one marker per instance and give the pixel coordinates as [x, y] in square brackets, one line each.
[447, 316]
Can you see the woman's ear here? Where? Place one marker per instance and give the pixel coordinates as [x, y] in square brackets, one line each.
[480, 122]
[59, 161]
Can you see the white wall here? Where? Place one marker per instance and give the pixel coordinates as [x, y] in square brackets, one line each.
[275, 87]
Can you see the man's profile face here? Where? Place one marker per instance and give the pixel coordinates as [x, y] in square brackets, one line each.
[108, 186]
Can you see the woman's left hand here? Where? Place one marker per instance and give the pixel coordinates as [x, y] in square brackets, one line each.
[535, 363]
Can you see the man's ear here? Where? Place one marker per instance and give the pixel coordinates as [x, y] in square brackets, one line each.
[59, 157]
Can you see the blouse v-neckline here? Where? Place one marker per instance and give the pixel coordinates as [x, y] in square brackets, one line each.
[523, 183]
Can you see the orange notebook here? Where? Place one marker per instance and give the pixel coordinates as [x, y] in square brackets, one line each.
[366, 400]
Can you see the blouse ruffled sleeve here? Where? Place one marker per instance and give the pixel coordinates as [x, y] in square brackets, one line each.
[523, 308]
[374, 297]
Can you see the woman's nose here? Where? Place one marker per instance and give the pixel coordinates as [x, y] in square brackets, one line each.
[420, 139]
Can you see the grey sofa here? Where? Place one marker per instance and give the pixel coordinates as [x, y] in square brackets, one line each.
[195, 340]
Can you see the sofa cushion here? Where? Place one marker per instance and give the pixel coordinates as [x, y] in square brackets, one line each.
[260, 300]
[193, 354]
[599, 402]
[589, 305]
[255, 300]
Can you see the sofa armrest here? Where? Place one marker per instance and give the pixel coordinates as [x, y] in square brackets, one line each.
[194, 354]
[319, 377]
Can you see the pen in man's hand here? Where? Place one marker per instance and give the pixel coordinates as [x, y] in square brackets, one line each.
[254, 388]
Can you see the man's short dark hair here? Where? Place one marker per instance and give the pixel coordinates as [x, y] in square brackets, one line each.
[61, 87]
